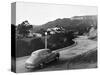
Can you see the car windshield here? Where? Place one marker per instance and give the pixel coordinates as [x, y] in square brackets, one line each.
[33, 53]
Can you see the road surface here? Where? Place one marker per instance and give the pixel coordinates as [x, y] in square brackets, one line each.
[83, 45]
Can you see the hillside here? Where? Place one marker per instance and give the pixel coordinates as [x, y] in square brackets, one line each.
[77, 23]
[80, 25]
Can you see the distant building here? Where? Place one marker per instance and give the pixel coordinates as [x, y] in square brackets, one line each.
[31, 34]
[55, 30]
[37, 35]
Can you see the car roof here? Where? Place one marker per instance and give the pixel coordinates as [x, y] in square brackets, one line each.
[40, 50]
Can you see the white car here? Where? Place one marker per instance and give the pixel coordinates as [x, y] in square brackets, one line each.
[40, 57]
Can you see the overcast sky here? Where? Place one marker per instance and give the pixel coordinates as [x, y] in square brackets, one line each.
[38, 14]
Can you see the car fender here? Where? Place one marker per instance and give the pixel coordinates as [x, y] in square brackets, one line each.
[50, 57]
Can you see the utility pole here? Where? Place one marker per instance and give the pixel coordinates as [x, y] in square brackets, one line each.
[45, 40]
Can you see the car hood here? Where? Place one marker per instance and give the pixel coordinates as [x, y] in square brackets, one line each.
[32, 60]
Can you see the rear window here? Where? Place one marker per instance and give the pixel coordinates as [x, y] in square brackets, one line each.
[43, 53]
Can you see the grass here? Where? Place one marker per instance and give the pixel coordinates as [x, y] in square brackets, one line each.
[90, 56]
[84, 60]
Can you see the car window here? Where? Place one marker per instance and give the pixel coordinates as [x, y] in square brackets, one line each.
[44, 53]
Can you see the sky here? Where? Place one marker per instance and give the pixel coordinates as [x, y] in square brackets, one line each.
[41, 13]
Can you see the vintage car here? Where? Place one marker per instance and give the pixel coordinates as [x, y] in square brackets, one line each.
[41, 57]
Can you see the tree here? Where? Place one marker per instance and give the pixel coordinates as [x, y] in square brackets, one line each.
[60, 40]
[24, 28]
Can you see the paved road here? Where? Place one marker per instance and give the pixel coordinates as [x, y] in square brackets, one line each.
[83, 45]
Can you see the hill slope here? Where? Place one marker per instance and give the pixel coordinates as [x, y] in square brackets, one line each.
[77, 23]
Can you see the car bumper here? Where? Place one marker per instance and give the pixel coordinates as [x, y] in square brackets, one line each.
[29, 67]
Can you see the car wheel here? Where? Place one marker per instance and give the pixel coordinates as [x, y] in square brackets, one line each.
[57, 58]
[41, 65]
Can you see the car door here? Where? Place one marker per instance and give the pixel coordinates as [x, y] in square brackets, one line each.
[50, 57]
[43, 56]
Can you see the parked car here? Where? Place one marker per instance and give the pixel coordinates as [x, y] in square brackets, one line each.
[41, 57]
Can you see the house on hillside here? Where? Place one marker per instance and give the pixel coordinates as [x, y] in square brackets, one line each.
[55, 30]
[31, 34]
[37, 35]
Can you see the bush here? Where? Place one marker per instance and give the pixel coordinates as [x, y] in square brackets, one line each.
[24, 48]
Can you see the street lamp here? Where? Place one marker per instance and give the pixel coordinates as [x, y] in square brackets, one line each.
[45, 40]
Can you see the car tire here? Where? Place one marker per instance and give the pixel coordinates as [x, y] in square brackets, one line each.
[57, 58]
[41, 65]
